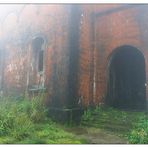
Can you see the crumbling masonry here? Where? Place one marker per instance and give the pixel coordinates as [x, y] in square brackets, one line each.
[78, 55]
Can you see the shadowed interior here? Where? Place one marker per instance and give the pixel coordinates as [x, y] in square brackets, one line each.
[126, 79]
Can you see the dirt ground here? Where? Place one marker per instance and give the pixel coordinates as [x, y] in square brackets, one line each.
[97, 136]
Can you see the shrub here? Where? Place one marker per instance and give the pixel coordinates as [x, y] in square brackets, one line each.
[6, 123]
[139, 133]
[23, 127]
[6, 117]
[88, 115]
[18, 115]
[24, 120]
[38, 110]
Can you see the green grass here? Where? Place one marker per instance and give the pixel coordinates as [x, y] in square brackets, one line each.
[25, 121]
[46, 133]
[131, 125]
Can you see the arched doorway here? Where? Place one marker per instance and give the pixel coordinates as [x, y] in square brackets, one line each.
[126, 79]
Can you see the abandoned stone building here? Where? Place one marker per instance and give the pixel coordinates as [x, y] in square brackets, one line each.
[78, 55]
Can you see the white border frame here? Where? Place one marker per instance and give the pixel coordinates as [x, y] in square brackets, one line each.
[72, 1]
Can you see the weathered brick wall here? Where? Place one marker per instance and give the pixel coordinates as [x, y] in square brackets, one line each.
[142, 19]
[102, 28]
[18, 31]
[102, 31]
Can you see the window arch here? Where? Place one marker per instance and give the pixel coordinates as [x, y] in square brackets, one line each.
[38, 53]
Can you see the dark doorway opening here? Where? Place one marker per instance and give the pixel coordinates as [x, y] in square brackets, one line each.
[126, 79]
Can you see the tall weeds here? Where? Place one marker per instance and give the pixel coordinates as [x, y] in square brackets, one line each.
[17, 115]
[24, 120]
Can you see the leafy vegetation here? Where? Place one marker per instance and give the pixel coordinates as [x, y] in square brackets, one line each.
[139, 133]
[131, 125]
[25, 121]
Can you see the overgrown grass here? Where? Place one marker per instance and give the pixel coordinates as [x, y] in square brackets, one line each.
[131, 125]
[25, 121]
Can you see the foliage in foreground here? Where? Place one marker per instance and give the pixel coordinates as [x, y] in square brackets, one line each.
[25, 121]
[131, 125]
[139, 133]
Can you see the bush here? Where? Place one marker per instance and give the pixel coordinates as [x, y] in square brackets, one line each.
[88, 115]
[6, 116]
[38, 110]
[24, 120]
[23, 127]
[18, 115]
[139, 133]
[6, 123]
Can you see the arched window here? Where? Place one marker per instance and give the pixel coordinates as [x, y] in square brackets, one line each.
[38, 53]
[40, 60]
